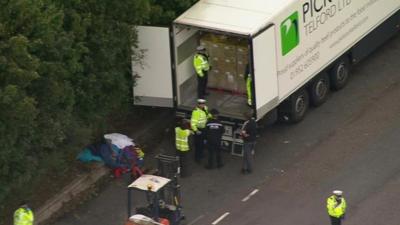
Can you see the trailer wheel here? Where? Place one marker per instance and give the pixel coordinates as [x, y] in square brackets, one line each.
[319, 89]
[339, 74]
[295, 107]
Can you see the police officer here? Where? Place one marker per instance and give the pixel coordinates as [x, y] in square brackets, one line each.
[214, 130]
[247, 77]
[182, 143]
[23, 215]
[201, 66]
[198, 123]
[336, 206]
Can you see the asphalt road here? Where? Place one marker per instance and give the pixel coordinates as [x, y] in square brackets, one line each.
[349, 143]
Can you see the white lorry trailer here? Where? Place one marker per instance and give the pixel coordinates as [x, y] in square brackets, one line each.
[297, 50]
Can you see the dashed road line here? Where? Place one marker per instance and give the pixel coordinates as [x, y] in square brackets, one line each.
[195, 220]
[251, 194]
[220, 218]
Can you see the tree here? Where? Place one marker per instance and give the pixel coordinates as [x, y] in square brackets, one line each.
[106, 29]
[164, 12]
[19, 35]
[63, 66]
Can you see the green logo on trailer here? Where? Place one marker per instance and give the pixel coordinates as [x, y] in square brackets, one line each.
[290, 37]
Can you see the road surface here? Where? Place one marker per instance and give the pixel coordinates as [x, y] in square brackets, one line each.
[349, 143]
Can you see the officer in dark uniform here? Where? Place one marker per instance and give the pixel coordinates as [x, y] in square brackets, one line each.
[214, 130]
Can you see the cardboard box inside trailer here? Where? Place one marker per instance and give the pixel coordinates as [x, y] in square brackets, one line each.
[228, 57]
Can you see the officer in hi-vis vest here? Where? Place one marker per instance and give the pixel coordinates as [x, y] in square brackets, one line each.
[201, 66]
[198, 123]
[182, 144]
[247, 78]
[23, 215]
[336, 206]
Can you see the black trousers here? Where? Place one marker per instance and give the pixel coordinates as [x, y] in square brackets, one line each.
[185, 169]
[335, 221]
[202, 85]
[214, 151]
[199, 146]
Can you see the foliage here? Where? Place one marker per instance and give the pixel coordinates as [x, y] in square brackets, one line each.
[65, 67]
[164, 12]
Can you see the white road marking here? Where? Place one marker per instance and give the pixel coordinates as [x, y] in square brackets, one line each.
[195, 220]
[251, 194]
[220, 218]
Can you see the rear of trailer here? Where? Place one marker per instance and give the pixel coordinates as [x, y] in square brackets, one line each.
[296, 52]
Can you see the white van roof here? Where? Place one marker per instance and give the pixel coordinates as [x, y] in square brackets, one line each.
[244, 17]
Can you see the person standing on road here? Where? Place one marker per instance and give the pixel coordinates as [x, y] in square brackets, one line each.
[336, 206]
[182, 143]
[249, 135]
[198, 123]
[23, 215]
[214, 130]
[201, 66]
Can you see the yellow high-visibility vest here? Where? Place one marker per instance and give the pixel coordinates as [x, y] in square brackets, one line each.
[182, 139]
[200, 64]
[248, 89]
[199, 118]
[335, 209]
[23, 216]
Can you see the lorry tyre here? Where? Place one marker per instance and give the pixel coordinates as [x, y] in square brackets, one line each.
[295, 107]
[339, 74]
[319, 89]
[299, 102]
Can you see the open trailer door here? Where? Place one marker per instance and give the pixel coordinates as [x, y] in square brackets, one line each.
[265, 71]
[154, 76]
